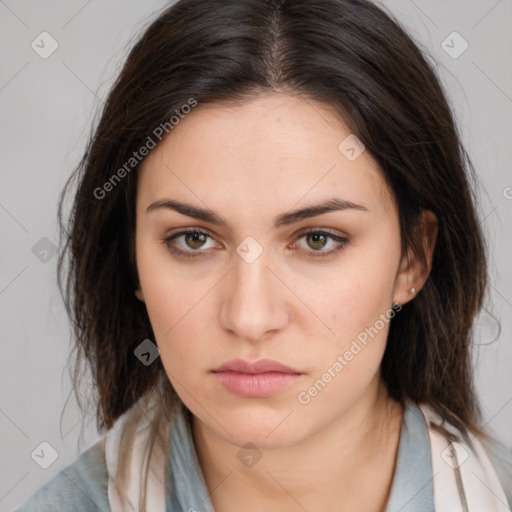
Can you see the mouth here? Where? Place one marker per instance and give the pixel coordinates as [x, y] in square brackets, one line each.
[258, 379]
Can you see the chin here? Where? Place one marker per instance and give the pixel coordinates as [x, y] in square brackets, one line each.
[266, 428]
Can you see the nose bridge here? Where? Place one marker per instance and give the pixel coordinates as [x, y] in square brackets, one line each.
[255, 302]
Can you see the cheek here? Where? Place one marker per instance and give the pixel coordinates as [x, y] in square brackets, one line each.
[356, 304]
[348, 361]
[354, 297]
[180, 314]
[178, 321]
[336, 308]
[177, 313]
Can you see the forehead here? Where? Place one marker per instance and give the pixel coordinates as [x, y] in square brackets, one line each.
[270, 152]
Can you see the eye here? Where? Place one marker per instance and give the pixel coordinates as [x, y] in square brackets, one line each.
[194, 243]
[193, 239]
[319, 239]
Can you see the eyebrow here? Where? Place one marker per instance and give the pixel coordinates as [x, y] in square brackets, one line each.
[283, 219]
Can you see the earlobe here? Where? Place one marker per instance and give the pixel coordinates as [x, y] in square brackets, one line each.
[139, 294]
[416, 265]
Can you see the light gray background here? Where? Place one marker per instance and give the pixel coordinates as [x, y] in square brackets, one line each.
[46, 109]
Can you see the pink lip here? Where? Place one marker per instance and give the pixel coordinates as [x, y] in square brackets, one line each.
[260, 366]
[255, 379]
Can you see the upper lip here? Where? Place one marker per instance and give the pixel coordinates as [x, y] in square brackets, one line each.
[260, 366]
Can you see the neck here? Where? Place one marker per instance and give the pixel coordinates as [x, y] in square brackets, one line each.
[355, 454]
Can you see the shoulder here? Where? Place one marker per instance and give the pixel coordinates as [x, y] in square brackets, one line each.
[501, 459]
[81, 486]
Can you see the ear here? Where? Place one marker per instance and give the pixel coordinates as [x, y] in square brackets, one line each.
[139, 294]
[415, 266]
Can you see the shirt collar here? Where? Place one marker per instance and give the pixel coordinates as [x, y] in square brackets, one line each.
[186, 488]
[412, 486]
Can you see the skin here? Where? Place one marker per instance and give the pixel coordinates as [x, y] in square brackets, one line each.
[249, 163]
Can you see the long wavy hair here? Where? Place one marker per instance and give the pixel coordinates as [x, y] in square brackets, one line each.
[350, 54]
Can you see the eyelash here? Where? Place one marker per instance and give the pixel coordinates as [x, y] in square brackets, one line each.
[342, 241]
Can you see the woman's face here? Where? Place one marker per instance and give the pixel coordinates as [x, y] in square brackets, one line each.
[259, 286]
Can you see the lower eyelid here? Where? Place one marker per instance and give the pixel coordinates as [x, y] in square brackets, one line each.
[169, 242]
[339, 240]
[335, 238]
[340, 243]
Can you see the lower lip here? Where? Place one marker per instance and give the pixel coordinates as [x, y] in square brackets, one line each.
[255, 385]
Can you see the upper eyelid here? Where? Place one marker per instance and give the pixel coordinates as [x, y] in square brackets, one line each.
[186, 231]
[297, 236]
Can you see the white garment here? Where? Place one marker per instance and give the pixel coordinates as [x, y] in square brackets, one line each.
[125, 497]
[464, 479]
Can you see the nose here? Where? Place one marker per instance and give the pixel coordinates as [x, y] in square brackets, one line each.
[255, 302]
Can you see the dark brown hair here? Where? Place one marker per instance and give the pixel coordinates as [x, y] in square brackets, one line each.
[355, 57]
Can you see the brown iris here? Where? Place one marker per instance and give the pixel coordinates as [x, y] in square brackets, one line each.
[195, 238]
[317, 239]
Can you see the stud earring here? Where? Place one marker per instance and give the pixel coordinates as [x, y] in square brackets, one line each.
[412, 290]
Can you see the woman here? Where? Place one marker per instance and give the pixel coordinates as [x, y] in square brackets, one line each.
[271, 277]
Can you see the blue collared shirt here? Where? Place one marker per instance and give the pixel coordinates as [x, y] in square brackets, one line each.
[82, 486]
